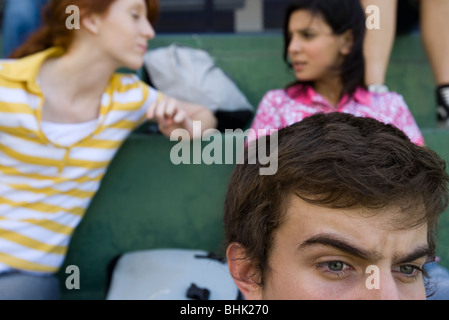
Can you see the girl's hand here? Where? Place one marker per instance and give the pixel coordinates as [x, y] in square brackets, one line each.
[170, 116]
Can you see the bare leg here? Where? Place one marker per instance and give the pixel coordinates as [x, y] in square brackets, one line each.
[434, 31]
[379, 42]
[435, 36]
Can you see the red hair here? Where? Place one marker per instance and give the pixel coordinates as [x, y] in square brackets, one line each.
[54, 31]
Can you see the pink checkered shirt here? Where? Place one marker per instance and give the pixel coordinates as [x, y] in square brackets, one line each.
[280, 108]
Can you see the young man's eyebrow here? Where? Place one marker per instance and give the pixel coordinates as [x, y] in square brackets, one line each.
[337, 242]
[419, 252]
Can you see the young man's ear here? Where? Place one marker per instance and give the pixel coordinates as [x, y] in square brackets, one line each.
[244, 272]
[347, 42]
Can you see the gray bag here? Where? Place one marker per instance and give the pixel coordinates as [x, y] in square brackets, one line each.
[170, 274]
[191, 75]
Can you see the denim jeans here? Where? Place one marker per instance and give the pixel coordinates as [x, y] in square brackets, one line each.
[21, 286]
[21, 18]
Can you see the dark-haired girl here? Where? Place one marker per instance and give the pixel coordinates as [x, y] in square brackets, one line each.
[324, 48]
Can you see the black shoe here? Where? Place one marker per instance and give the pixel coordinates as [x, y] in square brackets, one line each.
[443, 104]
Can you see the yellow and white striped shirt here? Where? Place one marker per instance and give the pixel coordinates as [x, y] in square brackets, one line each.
[45, 188]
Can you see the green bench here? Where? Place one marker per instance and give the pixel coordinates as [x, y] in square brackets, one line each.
[147, 202]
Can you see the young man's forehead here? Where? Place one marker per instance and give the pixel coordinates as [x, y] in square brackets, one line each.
[303, 219]
[402, 214]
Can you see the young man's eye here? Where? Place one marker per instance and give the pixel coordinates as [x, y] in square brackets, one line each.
[335, 265]
[409, 271]
[334, 268]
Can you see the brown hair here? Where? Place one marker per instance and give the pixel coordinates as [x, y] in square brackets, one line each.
[339, 161]
[54, 31]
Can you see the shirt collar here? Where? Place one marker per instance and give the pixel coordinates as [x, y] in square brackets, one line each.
[307, 95]
[26, 69]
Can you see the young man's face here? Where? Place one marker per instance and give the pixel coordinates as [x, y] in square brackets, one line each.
[322, 253]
